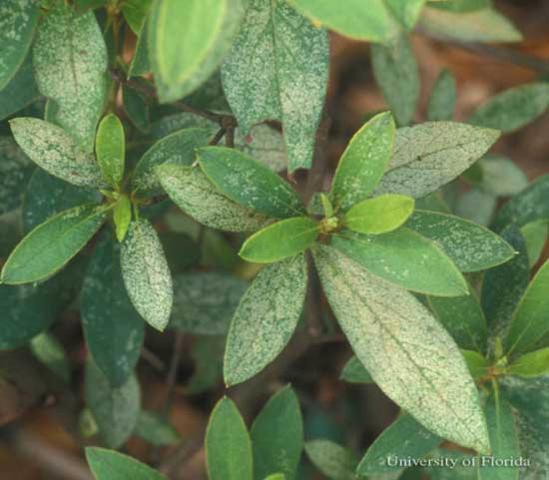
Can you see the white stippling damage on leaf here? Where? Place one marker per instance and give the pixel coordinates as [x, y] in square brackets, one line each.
[278, 70]
[146, 274]
[265, 319]
[408, 353]
[70, 64]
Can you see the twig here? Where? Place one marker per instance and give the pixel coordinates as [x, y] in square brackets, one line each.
[153, 360]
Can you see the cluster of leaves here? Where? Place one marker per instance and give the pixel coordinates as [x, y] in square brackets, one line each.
[399, 268]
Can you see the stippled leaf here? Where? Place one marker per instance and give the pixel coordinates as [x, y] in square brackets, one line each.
[146, 274]
[372, 22]
[51, 245]
[501, 176]
[532, 364]
[48, 350]
[333, 460]
[47, 195]
[245, 181]
[191, 191]
[477, 206]
[175, 149]
[280, 240]
[156, 429]
[396, 72]
[137, 108]
[463, 318]
[535, 235]
[530, 321]
[114, 331]
[115, 409]
[429, 155]
[20, 91]
[485, 25]
[407, 352]
[471, 247]
[291, 88]
[277, 436]
[70, 64]
[187, 42]
[265, 318]
[503, 439]
[15, 172]
[228, 446]
[404, 258]
[514, 108]
[18, 20]
[110, 465]
[54, 150]
[204, 302]
[363, 162]
[443, 98]
[110, 149]
[264, 144]
[355, 372]
[405, 437]
[380, 214]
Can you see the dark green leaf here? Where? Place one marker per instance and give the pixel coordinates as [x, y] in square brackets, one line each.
[245, 181]
[19, 92]
[277, 436]
[266, 318]
[48, 248]
[110, 149]
[405, 258]
[477, 206]
[501, 176]
[443, 98]
[15, 172]
[114, 331]
[140, 61]
[135, 12]
[333, 460]
[355, 372]
[137, 108]
[228, 446]
[278, 70]
[155, 429]
[110, 465]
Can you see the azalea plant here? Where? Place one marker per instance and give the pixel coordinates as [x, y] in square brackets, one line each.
[165, 176]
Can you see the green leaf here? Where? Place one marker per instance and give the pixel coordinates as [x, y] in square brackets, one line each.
[379, 215]
[18, 20]
[477, 206]
[471, 247]
[115, 409]
[514, 108]
[27, 311]
[535, 235]
[278, 70]
[191, 191]
[530, 321]
[146, 274]
[15, 171]
[430, 155]
[501, 176]
[504, 286]
[372, 22]
[277, 436]
[155, 429]
[70, 64]
[135, 13]
[405, 258]
[140, 62]
[266, 318]
[463, 318]
[20, 91]
[396, 72]
[461, 5]
[404, 438]
[363, 162]
[407, 11]
[228, 446]
[122, 217]
[51, 245]
[477, 364]
[110, 465]
[532, 364]
[137, 108]
[503, 439]
[54, 150]
[187, 42]
[110, 149]
[486, 25]
[264, 144]
[175, 149]
[527, 206]
[442, 102]
[408, 353]
[46, 196]
[207, 355]
[46, 348]
[245, 181]
[113, 330]
[280, 240]
[333, 460]
[355, 372]
[204, 302]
